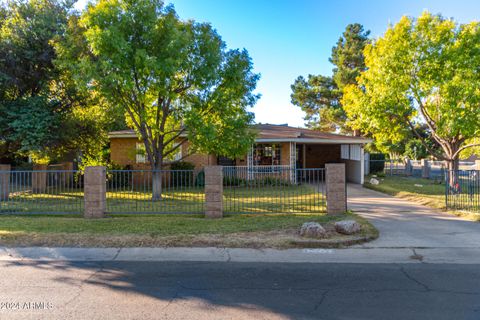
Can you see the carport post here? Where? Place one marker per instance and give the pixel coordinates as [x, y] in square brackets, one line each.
[4, 181]
[95, 192]
[336, 187]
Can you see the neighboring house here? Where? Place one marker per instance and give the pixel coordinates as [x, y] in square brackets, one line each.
[275, 146]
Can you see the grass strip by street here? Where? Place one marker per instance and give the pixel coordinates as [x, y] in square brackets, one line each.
[255, 230]
[427, 192]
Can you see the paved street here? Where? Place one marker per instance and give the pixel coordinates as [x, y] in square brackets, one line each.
[220, 290]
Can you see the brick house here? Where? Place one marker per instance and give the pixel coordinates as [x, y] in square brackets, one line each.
[275, 146]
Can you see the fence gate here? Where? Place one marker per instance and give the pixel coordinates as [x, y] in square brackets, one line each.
[273, 189]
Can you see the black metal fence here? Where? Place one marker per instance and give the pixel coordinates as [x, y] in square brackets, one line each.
[259, 189]
[42, 191]
[273, 189]
[462, 190]
[147, 191]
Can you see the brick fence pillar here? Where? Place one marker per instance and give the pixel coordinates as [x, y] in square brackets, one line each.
[335, 181]
[425, 169]
[4, 181]
[95, 192]
[39, 178]
[213, 191]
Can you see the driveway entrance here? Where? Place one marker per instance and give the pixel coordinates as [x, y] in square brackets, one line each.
[406, 224]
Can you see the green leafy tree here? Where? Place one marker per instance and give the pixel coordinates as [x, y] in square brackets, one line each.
[42, 112]
[320, 96]
[28, 114]
[173, 79]
[421, 71]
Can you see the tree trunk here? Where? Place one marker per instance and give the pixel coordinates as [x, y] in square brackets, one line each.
[157, 183]
[452, 173]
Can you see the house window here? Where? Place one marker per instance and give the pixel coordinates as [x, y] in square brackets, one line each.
[266, 154]
[140, 154]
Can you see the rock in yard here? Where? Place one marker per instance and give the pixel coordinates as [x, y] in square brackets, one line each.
[312, 230]
[347, 226]
[374, 181]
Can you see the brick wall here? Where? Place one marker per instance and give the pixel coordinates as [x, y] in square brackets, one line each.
[285, 154]
[123, 152]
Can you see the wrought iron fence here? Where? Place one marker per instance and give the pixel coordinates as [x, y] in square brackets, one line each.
[149, 191]
[462, 190]
[398, 167]
[273, 189]
[41, 191]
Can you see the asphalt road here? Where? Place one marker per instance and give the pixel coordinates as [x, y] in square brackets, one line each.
[226, 290]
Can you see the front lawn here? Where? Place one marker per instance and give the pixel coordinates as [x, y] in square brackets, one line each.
[424, 191]
[264, 199]
[256, 230]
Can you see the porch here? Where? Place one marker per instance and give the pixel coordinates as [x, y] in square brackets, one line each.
[293, 159]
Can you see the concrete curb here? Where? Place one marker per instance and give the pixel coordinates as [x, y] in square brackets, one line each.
[210, 254]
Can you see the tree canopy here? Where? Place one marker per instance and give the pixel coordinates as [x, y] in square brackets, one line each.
[421, 71]
[320, 96]
[42, 113]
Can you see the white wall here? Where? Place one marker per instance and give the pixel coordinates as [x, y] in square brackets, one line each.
[354, 164]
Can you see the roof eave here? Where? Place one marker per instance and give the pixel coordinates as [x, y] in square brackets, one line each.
[310, 140]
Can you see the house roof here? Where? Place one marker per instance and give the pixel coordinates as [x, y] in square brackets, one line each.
[280, 133]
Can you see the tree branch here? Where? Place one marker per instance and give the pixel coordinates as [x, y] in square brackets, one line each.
[465, 147]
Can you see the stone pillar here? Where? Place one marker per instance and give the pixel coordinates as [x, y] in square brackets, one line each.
[95, 192]
[335, 181]
[477, 164]
[214, 192]
[39, 178]
[425, 169]
[4, 181]
[408, 167]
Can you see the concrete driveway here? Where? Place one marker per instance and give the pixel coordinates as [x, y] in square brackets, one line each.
[409, 225]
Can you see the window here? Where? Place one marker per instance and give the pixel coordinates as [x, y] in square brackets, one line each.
[266, 154]
[140, 153]
[345, 151]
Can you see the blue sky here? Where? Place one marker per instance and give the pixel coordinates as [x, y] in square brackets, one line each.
[288, 38]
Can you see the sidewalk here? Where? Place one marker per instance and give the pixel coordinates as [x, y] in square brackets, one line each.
[351, 255]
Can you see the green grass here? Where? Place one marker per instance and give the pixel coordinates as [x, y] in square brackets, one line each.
[268, 199]
[430, 193]
[255, 230]
[159, 225]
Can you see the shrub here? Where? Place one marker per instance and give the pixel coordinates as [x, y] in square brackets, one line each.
[182, 165]
[182, 178]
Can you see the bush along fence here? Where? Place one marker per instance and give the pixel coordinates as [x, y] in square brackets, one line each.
[213, 191]
[462, 189]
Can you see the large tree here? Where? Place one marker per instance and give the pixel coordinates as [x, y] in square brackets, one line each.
[174, 79]
[421, 71]
[42, 114]
[320, 96]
